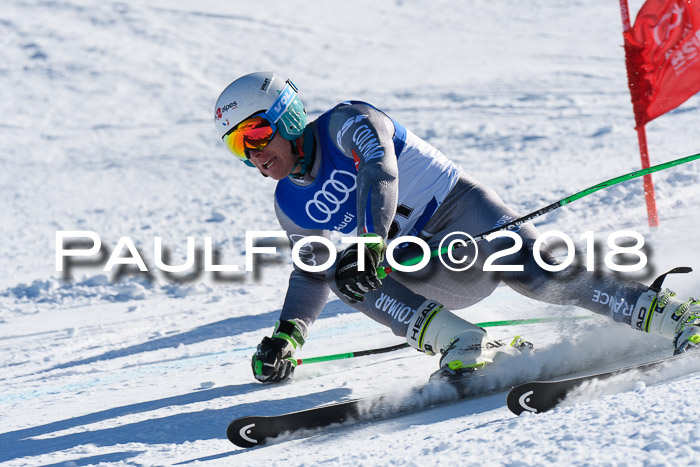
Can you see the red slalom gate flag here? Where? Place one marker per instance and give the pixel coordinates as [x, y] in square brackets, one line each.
[663, 57]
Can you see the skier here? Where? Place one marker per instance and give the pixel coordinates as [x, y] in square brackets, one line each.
[356, 169]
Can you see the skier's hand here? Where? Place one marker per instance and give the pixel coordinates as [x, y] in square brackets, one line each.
[274, 360]
[352, 282]
[271, 363]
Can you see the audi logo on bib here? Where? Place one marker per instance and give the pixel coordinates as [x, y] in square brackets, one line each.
[334, 192]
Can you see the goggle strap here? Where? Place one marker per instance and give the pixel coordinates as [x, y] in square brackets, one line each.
[282, 103]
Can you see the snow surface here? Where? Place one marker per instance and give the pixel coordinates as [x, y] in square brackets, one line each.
[106, 125]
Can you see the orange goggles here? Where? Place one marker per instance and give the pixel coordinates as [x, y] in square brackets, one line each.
[254, 132]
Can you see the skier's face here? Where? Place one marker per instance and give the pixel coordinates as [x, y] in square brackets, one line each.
[276, 160]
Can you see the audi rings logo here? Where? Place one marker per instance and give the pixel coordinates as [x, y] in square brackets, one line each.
[334, 192]
[306, 252]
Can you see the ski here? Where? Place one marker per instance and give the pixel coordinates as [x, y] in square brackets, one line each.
[541, 396]
[534, 396]
[251, 431]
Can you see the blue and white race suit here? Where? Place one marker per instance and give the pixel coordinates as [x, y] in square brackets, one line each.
[370, 174]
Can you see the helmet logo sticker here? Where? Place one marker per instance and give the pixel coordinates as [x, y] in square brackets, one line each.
[219, 115]
[229, 106]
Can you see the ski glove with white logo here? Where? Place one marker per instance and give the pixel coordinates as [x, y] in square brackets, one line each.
[274, 360]
[352, 282]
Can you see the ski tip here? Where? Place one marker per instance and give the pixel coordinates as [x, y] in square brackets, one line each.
[519, 399]
[243, 433]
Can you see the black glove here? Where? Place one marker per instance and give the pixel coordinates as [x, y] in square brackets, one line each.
[270, 362]
[273, 361]
[351, 282]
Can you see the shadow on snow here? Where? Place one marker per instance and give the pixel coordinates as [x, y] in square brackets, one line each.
[173, 429]
[219, 329]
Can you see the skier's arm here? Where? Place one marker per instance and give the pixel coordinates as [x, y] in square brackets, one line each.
[307, 292]
[365, 134]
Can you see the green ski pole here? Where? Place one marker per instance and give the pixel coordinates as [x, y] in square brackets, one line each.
[487, 324]
[383, 271]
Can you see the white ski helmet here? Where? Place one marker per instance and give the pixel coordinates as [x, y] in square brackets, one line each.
[263, 94]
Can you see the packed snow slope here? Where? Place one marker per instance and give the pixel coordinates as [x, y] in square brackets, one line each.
[106, 126]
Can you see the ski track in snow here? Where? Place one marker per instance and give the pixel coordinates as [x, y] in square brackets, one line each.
[106, 126]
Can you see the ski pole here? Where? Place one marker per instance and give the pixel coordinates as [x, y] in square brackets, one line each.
[383, 271]
[342, 356]
[487, 324]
